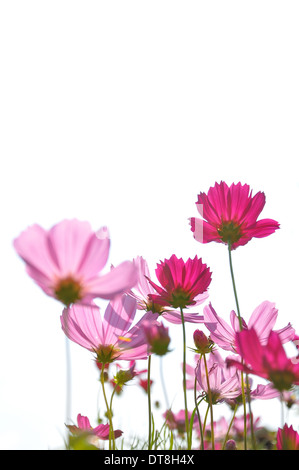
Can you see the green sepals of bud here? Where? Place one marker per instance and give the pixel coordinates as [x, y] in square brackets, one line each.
[203, 344]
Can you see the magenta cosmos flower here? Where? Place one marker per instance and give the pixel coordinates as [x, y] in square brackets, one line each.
[262, 320]
[144, 293]
[229, 215]
[268, 360]
[110, 338]
[287, 438]
[182, 283]
[101, 431]
[66, 262]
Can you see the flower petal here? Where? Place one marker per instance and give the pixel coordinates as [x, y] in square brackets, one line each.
[117, 281]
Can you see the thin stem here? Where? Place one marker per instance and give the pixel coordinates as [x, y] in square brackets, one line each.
[253, 443]
[163, 383]
[68, 370]
[210, 402]
[198, 416]
[206, 417]
[109, 413]
[230, 425]
[68, 379]
[234, 285]
[241, 327]
[111, 398]
[244, 410]
[184, 379]
[282, 410]
[149, 403]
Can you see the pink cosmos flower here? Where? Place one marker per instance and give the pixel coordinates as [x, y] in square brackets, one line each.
[182, 283]
[230, 215]
[261, 392]
[220, 427]
[238, 425]
[287, 438]
[268, 361]
[262, 320]
[101, 431]
[110, 338]
[177, 420]
[144, 293]
[290, 399]
[264, 392]
[66, 262]
[224, 383]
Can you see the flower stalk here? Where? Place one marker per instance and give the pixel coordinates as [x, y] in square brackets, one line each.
[210, 402]
[149, 402]
[184, 379]
[109, 412]
[241, 327]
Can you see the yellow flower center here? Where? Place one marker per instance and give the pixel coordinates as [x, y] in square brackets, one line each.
[107, 353]
[150, 306]
[230, 232]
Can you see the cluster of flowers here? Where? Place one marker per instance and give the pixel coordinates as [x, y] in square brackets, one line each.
[67, 262]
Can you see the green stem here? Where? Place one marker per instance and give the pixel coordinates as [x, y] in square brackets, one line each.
[206, 417]
[234, 285]
[253, 443]
[68, 380]
[198, 416]
[282, 410]
[210, 402]
[184, 379]
[109, 413]
[163, 383]
[112, 395]
[149, 403]
[241, 327]
[230, 425]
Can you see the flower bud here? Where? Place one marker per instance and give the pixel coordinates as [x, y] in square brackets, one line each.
[230, 445]
[202, 343]
[157, 337]
[122, 377]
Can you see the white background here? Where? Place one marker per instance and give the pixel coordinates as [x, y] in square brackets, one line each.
[120, 113]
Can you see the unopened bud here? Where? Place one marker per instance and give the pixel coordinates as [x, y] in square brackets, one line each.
[123, 376]
[230, 445]
[157, 337]
[202, 343]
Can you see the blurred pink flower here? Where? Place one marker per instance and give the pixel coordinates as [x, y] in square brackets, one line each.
[287, 438]
[220, 428]
[101, 431]
[229, 215]
[268, 360]
[177, 420]
[144, 291]
[66, 262]
[110, 338]
[289, 398]
[238, 425]
[157, 337]
[262, 320]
